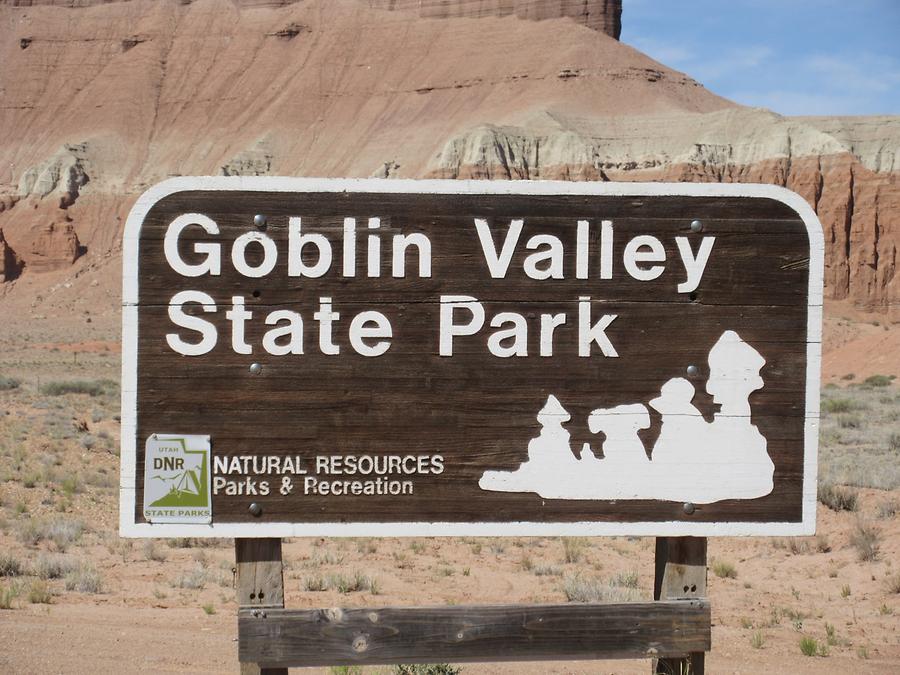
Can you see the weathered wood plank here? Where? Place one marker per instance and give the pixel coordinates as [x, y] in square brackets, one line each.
[680, 574]
[260, 586]
[317, 637]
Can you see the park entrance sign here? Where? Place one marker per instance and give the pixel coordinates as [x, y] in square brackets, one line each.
[373, 357]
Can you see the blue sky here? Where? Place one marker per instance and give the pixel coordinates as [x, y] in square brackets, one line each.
[796, 57]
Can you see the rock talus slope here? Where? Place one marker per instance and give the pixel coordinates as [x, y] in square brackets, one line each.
[102, 99]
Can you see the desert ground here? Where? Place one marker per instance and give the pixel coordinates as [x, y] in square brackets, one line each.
[77, 598]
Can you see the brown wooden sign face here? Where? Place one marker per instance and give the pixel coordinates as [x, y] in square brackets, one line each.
[336, 357]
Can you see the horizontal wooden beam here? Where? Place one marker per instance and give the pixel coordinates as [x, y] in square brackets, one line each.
[323, 637]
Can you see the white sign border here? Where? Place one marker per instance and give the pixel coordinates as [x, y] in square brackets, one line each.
[128, 527]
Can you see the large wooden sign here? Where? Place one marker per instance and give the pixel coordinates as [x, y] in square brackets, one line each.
[373, 357]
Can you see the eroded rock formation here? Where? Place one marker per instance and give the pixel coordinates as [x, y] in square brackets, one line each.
[845, 168]
[56, 246]
[10, 265]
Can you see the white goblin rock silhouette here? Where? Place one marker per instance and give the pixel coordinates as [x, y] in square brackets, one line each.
[692, 460]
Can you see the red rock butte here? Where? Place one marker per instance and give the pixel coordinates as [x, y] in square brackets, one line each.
[101, 99]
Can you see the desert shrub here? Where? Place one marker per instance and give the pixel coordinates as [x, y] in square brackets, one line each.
[809, 646]
[831, 637]
[838, 499]
[352, 584]
[580, 588]
[757, 640]
[849, 421]
[9, 383]
[626, 579]
[887, 509]
[84, 579]
[61, 531]
[865, 539]
[724, 569]
[64, 531]
[426, 669]
[89, 387]
[366, 546]
[52, 566]
[546, 570]
[325, 558]
[8, 594]
[70, 485]
[573, 548]
[315, 584]
[837, 405]
[893, 584]
[195, 542]
[151, 552]
[893, 442]
[39, 593]
[878, 381]
[9, 565]
[796, 545]
[193, 579]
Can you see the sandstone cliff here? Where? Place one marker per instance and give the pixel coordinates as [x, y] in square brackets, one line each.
[102, 99]
[846, 168]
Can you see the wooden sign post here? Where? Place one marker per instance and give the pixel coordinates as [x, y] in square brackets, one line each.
[307, 357]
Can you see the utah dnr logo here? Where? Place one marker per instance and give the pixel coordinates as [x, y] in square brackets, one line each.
[177, 479]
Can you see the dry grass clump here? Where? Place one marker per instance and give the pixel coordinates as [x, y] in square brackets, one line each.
[421, 669]
[809, 646]
[84, 579]
[193, 579]
[838, 499]
[573, 548]
[581, 588]
[341, 583]
[353, 584]
[865, 539]
[9, 383]
[893, 442]
[90, 387]
[151, 552]
[8, 594]
[887, 509]
[724, 569]
[546, 570]
[9, 565]
[52, 566]
[893, 584]
[39, 593]
[61, 532]
[878, 381]
[196, 542]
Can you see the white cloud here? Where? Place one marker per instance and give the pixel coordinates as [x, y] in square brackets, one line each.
[866, 72]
